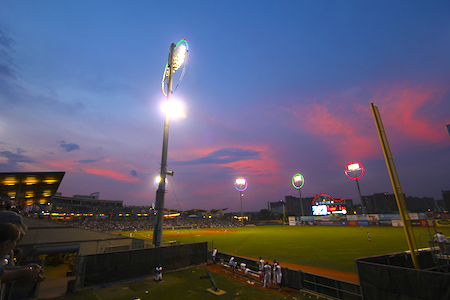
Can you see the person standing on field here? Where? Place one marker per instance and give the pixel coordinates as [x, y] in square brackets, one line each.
[275, 264]
[267, 274]
[158, 275]
[261, 268]
[261, 264]
[369, 237]
[214, 255]
[278, 276]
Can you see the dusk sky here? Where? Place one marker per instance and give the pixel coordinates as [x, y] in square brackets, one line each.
[271, 89]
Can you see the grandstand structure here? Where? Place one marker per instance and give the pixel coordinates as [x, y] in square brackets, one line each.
[84, 204]
[30, 189]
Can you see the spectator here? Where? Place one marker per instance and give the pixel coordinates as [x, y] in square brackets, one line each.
[30, 272]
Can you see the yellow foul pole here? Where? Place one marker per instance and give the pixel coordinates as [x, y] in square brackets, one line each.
[396, 186]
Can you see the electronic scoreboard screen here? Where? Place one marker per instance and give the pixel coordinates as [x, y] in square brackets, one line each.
[319, 210]
[323, 210]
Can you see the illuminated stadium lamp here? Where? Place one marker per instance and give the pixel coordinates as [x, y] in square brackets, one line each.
[177, 57]
[157, 180]
[298, 181]
[355, 166]
[180, 55]
[241, 185]
[174, 108]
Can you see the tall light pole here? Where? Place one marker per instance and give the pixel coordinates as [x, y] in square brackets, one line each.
[177, 56]
[298, 181]
[355, 166]
[241, 185]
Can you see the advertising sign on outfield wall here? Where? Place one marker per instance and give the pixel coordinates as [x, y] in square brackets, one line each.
[363, 223]
[307, 218]
[373, 217]
[374, 223]
[442, 222]
[352, 217]
[352, 223]
[415, 222]
[292, 221]
[414, 216]
[333, 223]
[337, 217]
[397, 223]
[385, 223]
[390, 216]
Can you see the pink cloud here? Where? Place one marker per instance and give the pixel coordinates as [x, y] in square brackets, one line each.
[338, 128]
[105, 171]
[348, 127]
[401, 108]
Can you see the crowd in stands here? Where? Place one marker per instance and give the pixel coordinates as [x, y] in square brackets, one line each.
[127, 224]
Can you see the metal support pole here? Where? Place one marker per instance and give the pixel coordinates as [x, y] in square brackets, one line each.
[360, 197]
[242, 215]
[301, 202]
[160, 193]
[409, 233]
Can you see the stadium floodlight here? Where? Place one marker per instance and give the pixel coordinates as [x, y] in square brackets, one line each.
[355, 166]
[241, 185]
[298, 181]
[177, 57]
[157, 180]
[174, 108]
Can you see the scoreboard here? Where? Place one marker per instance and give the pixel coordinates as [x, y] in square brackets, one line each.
[323, 210]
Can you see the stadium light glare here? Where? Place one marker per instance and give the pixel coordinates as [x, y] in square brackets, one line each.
[174, 108]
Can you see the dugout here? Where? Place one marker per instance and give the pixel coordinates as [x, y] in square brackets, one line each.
[102, 268]
[331, 288]
[393, 276]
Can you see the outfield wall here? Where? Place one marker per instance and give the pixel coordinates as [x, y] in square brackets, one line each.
[95, 269]
[394, 220]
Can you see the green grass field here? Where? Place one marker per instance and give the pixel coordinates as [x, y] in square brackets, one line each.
[330, 247]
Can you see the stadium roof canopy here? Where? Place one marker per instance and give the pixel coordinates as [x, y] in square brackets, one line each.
[30, 187]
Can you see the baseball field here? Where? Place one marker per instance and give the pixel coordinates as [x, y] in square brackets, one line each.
[329, 247]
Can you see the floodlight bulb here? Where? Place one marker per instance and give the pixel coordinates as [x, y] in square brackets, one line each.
[353, 167]
[240, 181]
[179, 56]
[298, 178]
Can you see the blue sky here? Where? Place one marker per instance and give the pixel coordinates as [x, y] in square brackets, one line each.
[271, 89]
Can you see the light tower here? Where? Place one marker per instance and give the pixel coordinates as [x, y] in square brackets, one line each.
[177, 57]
